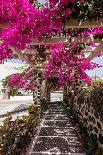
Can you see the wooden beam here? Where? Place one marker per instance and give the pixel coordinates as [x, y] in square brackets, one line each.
[65, 40]
[55, 40]
[72, 23]
[96, 52]
[29, 51]
[21, 55]
[4, 25]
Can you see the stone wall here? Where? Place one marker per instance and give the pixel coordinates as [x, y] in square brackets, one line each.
[90, 118]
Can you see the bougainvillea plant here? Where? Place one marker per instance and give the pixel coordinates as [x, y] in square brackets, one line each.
[24, 80]
[63, 64]
[27, 22]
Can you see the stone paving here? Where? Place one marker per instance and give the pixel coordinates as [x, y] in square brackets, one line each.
[57, 135]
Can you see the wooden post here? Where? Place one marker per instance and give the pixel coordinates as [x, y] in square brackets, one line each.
[37, 91]
[65, 96]
[76, 80]
[48, 90]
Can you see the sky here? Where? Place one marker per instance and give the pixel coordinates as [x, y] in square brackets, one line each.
[42, 1]
[97, 71]
[11, 67]
[15, 65]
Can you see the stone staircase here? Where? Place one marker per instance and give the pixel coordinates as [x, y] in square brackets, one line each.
[57, 135]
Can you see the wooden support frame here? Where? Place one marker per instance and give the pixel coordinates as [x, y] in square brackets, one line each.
[22, 57]
[96, 52]
[72, 23]
[65, 40]
[68, 40]
[29, 51]
[4, 25]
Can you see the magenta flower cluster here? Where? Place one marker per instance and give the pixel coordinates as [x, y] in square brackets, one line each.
[28, 23]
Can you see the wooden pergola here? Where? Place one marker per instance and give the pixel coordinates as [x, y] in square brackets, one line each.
[27, 53]
[65, 40]
[71, 23]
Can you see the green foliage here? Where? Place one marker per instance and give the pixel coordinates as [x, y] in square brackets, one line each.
[6, 80]
[97, 83]
[41, 53]
[65, 102]
[33, 110]
[96, 98]
[85, 11]
[90, 142]
[12, 92]
[99, 151]
[53, 80]
[44, 106]
[16, 135]
[81, 97]
[98, 36]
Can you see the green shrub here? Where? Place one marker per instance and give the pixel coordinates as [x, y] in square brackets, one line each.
[81, 96]
[44, 106]
[90, 142]
[33, 110]
[96, 98]
[99, 151]
[16, 135]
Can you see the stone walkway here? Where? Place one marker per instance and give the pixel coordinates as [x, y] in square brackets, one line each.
[57, 135]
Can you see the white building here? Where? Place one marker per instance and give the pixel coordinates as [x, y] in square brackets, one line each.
[6, 69]
[3, 92]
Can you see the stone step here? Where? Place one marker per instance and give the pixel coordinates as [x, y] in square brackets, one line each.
[46, 153]
[56, 123]
[55, 112]
[51, 131]
[57, 117]
[56, 144]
